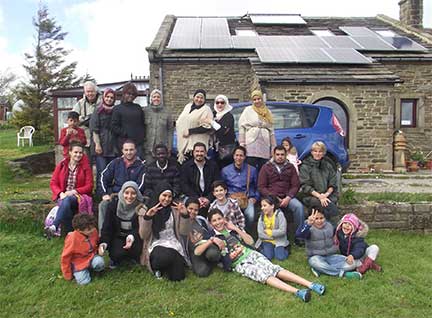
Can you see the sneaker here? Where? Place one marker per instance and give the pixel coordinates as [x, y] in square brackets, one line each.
[318, 288]
[304, 294]
[353, 275]
[112, 264]
[315, 272]
[50, 231]
[299, 243]
[158, 274]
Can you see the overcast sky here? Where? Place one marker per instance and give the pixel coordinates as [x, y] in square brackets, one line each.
[109, 37]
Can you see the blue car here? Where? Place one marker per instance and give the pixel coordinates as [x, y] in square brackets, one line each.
[304, 124]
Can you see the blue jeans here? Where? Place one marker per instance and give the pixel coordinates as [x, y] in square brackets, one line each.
[249, 214]
[67, 209]
[269, 250]
[296, 208]
[101, 163]
[333, 265]
[83, 277]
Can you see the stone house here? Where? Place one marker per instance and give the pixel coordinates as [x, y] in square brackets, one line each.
[375, 72]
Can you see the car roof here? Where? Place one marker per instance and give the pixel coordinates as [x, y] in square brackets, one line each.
[274, 103]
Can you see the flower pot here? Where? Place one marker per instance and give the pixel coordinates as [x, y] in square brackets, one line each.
[413, 166]
[429, 165]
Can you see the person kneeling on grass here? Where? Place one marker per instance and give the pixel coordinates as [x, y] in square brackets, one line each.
[323, 253]
[350, 234]
[239, 257]
[80, 248]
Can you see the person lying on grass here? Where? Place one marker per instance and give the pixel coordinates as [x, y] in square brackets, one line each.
[321, 250]
[350, 234]
[239, 257]
[80, 248]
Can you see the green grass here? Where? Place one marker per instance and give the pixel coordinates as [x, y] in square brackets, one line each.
[350, 196]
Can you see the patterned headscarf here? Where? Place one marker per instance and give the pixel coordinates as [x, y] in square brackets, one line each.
[263, 111]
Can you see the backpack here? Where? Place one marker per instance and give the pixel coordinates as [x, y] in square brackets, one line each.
[50, 219]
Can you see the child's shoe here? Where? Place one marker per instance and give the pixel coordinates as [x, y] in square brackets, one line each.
[318, 288]
[112, 264]
[304, 294]
[158, 274]
[353, 275]
[50, 231]
[365, 266]
[376, 267]
[315, 272]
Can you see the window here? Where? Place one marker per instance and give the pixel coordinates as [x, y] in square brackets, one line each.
[322, 32]
[408, 113]
[245, 32]
[66, 102]
[286, 117]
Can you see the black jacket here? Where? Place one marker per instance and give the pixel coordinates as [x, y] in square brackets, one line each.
[154, 175]
[190, 176]
[128, 123]
[226, 135]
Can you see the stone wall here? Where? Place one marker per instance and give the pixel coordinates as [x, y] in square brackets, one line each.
[401, 216]
[411, 12]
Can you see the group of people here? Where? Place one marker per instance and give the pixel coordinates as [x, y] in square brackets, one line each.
[197, 212]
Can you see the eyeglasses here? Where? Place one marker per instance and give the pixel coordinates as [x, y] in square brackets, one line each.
[220, 102]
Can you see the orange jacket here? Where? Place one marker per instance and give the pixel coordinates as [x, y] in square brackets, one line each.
[78, 251]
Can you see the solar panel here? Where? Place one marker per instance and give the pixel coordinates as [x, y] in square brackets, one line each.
[341, 42]
[275, 55]
[277, 19]
[358, 31]
[403, 43]
[245, 42]
[308, 41]
[186, 34]
[311, 55]
[369, 43]
[215, 34]
[347, 56]
[276, 41]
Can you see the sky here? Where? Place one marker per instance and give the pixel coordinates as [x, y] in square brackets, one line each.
[108, 37]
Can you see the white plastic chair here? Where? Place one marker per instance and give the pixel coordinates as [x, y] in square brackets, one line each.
[25, 132]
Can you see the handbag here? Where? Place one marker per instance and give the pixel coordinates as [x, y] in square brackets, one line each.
[225, 151]
[242, 197]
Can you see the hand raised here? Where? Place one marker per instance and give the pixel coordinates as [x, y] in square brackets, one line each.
[152, 211]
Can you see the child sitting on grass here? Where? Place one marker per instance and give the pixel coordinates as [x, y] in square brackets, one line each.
[350, 234]
[323, 253]
[80, 248]
[272, 231]
[237, 256]
[71, 133]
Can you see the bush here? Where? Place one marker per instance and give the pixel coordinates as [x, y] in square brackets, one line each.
[40, 119]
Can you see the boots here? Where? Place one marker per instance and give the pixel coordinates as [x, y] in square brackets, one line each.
[366, 264]
[376, 267]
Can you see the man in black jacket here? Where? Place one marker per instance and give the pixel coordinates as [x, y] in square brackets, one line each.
[197, 175]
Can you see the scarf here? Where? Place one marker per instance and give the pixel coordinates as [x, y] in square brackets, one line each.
[126, 211]
[263, 112]
[104, 107]
[162, 216]
[227, 108]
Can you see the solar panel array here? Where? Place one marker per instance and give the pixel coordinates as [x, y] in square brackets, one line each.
[276, 19]
[214, 33]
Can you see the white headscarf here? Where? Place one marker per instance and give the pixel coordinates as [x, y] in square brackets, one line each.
[227, 108]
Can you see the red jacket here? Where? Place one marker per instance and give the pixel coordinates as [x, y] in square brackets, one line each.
[78, 251]
[84, 182]
[65, 139]
[271, 182]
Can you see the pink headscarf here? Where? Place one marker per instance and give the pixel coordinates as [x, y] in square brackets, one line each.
[102, 106]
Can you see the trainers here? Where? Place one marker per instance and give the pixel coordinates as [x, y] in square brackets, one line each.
[315, 272]
[318, 288]
[158, 274]
[112, 264]
[353, 275]
[50, 231]
[304, 294]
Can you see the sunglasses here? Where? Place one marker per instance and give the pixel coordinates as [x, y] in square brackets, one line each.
[220, 102]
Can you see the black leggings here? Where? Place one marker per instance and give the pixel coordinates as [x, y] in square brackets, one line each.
[169, 262]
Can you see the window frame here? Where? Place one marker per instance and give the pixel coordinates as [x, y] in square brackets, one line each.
[414, 103]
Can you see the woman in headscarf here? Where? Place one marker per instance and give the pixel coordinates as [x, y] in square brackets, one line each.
[256, 132]
[120, 228]
[102, 145]
[192, 125]
[223, 124]
[158, 124]
[160, 228]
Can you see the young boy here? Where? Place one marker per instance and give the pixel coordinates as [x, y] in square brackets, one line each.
[80, 248]
[228, 206]
[71, 133]
[323, 253]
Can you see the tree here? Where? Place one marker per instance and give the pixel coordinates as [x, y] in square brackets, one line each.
[47, 69]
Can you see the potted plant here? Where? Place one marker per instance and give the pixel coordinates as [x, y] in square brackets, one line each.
[417, 159]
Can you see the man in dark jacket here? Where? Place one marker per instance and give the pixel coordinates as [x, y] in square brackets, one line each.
[162, 169]
[128, 167]
[197, 175]
[279, 178]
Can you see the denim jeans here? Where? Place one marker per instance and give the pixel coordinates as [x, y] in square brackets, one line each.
[269, 250]
[83, 277]
[333, 265]
[296, 208]
[67, 209]
[101, 163]
[249, 213]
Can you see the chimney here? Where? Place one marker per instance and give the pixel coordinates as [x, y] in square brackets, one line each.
[411, 13]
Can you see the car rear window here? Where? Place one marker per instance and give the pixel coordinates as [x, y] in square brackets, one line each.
[310, 115]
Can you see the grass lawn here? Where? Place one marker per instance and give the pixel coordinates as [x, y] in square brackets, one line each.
[31, 284]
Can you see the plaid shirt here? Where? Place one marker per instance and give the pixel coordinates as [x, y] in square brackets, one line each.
[231, 211]
[71, 180]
